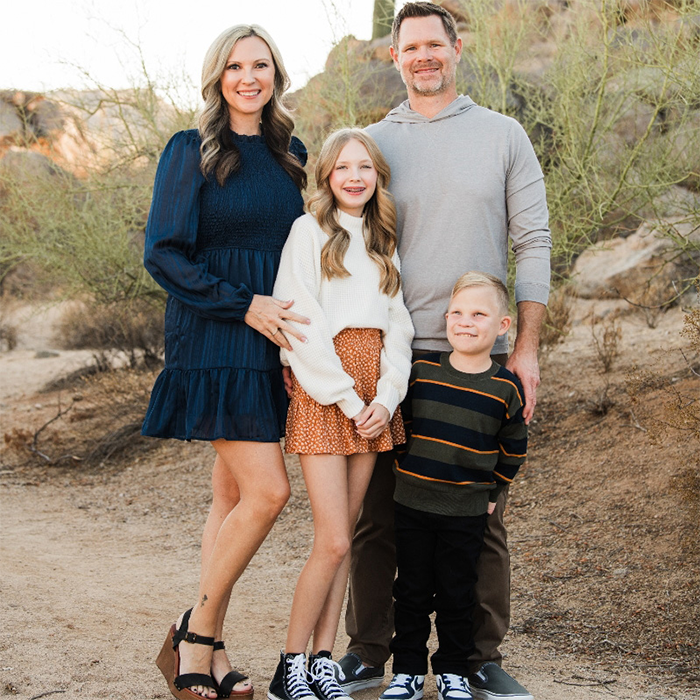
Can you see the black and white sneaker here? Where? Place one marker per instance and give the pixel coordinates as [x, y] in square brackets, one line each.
[357, 676]
[291, 681]
[404, 687]
[325, 676]
[450, 686]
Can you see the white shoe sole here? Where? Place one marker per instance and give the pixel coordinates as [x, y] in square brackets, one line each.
[446, 697]
[272, 696]
[354, 686]
[416, 696]
[480, 694]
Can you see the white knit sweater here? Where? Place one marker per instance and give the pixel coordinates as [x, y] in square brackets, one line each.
[336, 304]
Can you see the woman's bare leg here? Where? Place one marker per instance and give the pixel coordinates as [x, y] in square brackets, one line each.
[360, 468]
[263, 489]
[226, 495]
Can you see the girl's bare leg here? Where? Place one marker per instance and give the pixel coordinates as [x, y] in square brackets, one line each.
[360, 468]
[257, 468]
[328, 484]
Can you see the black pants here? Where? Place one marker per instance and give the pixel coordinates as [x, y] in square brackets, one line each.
[436, 559]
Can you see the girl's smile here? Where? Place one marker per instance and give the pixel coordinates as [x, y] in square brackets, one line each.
[353, 178]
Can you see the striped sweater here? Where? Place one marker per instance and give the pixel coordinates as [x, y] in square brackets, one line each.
[467, 437]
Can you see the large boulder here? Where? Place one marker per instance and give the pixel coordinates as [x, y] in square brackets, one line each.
[11, 126]
[623, 266]
[25, 166]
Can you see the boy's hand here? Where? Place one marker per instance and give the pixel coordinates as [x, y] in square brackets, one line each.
[492, 507]
[372, 421]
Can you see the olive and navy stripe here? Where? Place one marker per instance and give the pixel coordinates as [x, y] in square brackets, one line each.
[467, 431]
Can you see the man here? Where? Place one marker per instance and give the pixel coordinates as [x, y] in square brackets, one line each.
[464, 180]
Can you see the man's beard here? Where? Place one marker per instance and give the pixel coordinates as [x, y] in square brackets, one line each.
[433, 89]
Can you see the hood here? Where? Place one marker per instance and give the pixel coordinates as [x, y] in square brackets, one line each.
[403, 114]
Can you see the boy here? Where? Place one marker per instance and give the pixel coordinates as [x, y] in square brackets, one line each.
[467, 439]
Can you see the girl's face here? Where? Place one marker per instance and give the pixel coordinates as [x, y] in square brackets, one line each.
[353, 179]
[248, 80]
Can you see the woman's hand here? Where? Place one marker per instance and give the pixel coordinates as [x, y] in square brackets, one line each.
[372, 421]
[269, 316]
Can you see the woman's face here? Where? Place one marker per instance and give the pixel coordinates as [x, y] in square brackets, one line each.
[248, 80]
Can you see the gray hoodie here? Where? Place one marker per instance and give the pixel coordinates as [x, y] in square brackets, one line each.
[463, 182]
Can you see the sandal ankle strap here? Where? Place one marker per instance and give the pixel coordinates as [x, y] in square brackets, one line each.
[219, 646]
[182, 633]
[194, 638]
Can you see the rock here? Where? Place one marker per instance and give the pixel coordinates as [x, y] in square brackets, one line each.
[11, 126]
[42, 355]
[457, 8]
[378, 49]
[44, 117]
[633, 121]
[25, 166]
[686, 149]
[623, 266]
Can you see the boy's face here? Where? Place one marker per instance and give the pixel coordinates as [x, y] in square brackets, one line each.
[475, 320]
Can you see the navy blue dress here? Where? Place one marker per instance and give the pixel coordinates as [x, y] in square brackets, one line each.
[212, 248]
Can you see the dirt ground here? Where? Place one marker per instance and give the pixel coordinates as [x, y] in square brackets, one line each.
[98, 558]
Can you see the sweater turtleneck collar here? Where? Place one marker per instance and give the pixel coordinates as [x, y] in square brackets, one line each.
[349, 222]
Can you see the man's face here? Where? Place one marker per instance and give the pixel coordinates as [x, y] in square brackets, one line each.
[425, 57]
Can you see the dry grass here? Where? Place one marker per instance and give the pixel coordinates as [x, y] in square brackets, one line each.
[607, 337]
[133, 329]
[557, 322]
[94, 422]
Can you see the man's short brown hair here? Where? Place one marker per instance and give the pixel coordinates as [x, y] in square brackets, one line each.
[423, 9]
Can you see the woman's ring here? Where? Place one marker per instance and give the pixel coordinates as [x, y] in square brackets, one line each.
[275, 331]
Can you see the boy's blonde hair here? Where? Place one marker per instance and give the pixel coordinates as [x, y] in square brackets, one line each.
[483, 279]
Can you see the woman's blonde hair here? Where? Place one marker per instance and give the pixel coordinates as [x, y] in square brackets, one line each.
[379, 216]
[219, 153]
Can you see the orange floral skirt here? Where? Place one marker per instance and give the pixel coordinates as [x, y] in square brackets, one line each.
[315, 429]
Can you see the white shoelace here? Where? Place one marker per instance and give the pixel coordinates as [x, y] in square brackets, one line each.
[297, 683]
[455, 683]
[324, 673]
[401, 682]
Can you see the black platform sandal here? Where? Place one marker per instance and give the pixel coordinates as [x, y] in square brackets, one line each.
[225, 688]
[168, 662]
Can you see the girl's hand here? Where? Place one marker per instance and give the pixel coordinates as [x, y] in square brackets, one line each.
[267, 316]
[491, 508]
[372, 421]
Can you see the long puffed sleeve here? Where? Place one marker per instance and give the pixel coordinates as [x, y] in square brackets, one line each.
[395, 366]
[171, 237]
[314, 363]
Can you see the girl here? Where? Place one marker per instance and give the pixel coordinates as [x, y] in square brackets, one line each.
[341, 268]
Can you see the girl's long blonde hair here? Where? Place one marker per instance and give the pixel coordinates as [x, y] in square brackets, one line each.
[219, 153]
[379, 216]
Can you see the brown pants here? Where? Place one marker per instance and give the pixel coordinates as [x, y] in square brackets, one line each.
[369, 617]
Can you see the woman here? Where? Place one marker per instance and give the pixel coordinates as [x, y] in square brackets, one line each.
[224, 199]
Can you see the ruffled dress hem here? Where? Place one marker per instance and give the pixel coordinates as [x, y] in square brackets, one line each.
[218, 403]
